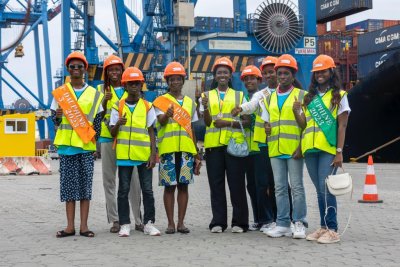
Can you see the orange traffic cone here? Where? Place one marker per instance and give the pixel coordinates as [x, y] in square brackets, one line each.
[370, 189]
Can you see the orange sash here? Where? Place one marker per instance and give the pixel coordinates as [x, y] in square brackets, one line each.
[73, 112]
[181, 116]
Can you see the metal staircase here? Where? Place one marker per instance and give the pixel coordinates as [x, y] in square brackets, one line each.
[77, 25]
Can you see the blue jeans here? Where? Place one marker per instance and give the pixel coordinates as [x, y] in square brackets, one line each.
[319, 167]
[146, 183]
[281, 169]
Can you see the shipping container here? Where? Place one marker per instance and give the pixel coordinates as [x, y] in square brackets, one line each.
[390, 23]
[227, 24]
[338, 25]
[379, 41]
[321, 29]
[368, 25]
[334, 45]
[371, 62]
[328, 10]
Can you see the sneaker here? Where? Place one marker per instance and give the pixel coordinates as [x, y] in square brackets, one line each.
[237, 229]
[149, 229]
[329, 237]
[125, 230]
[216, 229]
[299, 231]
[254, 227]
[317, 234]
[267, 227]
[139, 227]
[279, 231]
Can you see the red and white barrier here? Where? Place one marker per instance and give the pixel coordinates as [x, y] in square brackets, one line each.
[24, 165]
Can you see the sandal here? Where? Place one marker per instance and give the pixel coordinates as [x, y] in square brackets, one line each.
[115, 228]
[62, 233]
[183, 230]
[87, 233]
[170, 231]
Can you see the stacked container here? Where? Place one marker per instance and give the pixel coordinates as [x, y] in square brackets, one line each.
[376, 47]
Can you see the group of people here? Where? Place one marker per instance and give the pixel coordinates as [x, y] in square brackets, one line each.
[283, 125]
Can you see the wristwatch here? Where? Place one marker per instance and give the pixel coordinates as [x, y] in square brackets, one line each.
[339, 150]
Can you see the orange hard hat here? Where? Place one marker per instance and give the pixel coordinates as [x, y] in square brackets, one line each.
[174, 68]
[286, 60]
[323, 62]
[113, 60]
[76, 55]
[269, 60]
[223, 61]
[132, 74]
[251, 70]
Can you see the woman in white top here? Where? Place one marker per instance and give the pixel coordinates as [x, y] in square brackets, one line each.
[326, 112]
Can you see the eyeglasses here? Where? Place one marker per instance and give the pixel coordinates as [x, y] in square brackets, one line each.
[76, 66]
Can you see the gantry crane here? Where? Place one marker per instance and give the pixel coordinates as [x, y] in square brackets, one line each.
[35, 16]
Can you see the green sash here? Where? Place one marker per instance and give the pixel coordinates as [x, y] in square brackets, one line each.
[324, 119]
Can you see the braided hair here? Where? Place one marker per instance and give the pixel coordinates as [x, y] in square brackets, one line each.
[334, 83]
[107, 78]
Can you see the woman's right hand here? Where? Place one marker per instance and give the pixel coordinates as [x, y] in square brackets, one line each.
[170, 111]
[204, 101]
[107, 95]
[236, 111]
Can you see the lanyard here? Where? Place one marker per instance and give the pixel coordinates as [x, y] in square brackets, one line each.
[221, 102]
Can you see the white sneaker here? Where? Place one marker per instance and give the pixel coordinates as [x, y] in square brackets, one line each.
[299, 231]
[267, 226]
[254, 227]
[216, 229]
[279, 231]
[149, 229]
[125, 230]
[237, 229]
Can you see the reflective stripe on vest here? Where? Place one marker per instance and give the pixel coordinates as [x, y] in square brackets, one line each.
[216, 137]
[89, 102]
[133, 140]
[105, 130]
[285, 132]
[172, 137]
[313, 137]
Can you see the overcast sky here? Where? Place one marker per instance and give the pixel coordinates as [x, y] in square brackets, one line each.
[24, 68]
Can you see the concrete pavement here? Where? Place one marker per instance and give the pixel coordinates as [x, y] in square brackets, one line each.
[31, 213]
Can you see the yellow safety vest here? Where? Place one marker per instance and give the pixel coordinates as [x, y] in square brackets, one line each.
[89, 102]
[172, 137]
[105, 132]
[285, 133]
[313, 137]
[259, 131]
[133, 140]
[216, 137]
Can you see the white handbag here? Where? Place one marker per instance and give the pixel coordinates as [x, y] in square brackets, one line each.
[339, 184]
